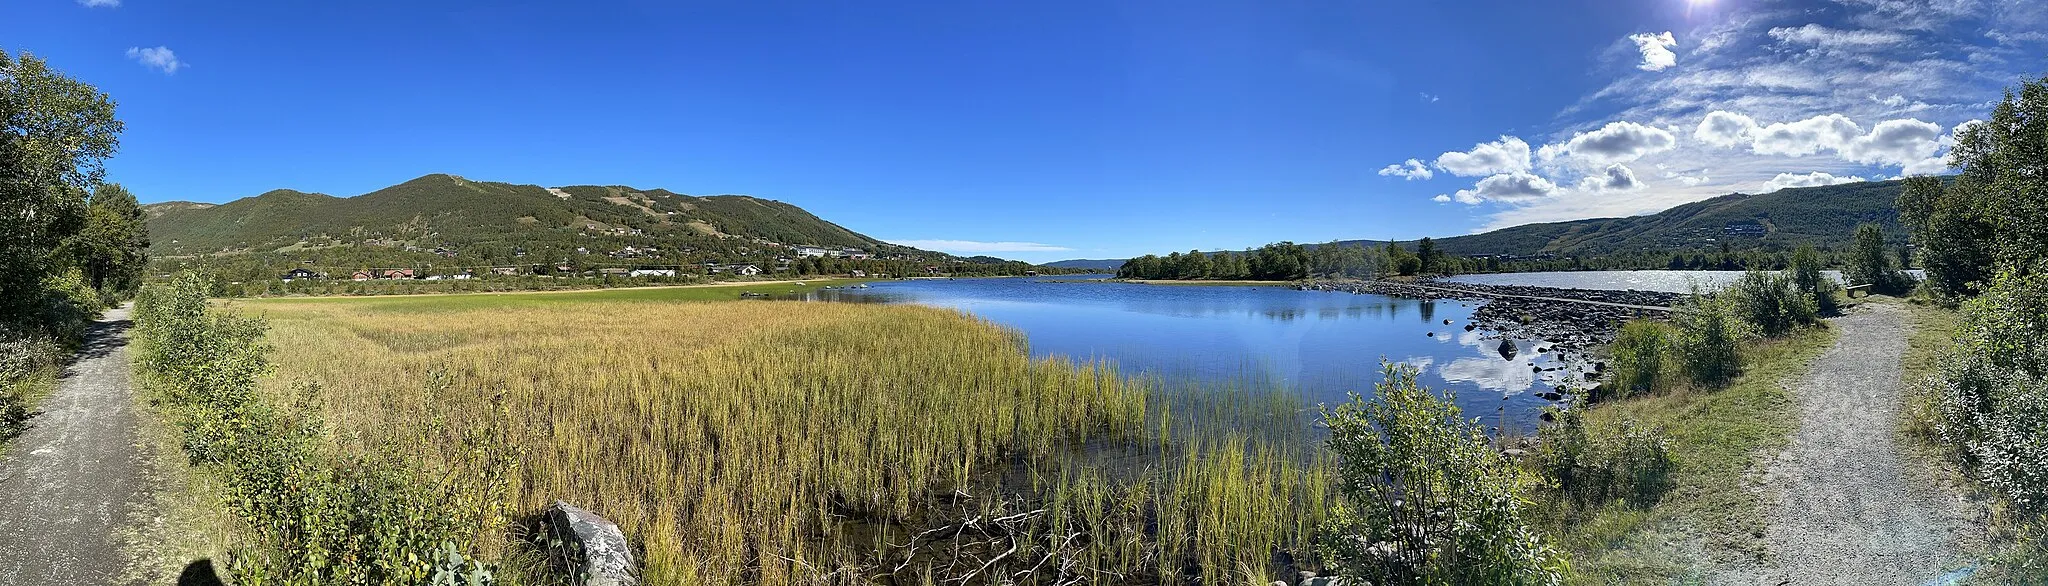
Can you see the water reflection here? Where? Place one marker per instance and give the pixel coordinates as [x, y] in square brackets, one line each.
[1319, 343]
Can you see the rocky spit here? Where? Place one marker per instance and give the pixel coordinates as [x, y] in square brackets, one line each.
[1572, 329]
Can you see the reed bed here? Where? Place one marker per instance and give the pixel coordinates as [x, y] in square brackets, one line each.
[799, 443]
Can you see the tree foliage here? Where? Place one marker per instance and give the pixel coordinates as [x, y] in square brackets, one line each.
[113, 247]
[1425, 498]
[1870, 263]
[55, 133]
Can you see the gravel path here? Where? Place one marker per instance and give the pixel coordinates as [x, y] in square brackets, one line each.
[1850, 507]
[68, 483]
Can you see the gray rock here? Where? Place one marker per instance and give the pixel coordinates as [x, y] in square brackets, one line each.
[606, 558]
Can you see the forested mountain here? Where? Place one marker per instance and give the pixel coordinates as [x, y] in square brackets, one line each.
[445, 211]
[1825, 217]
[1109, 264]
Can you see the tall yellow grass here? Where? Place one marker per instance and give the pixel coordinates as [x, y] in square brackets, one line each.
[787, 443]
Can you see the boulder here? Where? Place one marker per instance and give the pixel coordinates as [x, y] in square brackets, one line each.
[595, 548]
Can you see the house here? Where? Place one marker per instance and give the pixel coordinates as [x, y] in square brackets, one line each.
[859, 273]
[300, 275]
[652, 273]
[507, 271]
[812, 251]
[398, 274]
[746, 270]
[362, 276]
[614, 272]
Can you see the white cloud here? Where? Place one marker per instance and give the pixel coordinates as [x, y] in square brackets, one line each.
[1429, 98]
[1441, 198]
[1814, 179]
[1725, 129]
[158, 58]
[1805, 137]
[1411, 170]
[977, 247]
[1895, 142]
[1829, 38]
[1507, 187]
[1617, 177]
[1656, 49]
[1617, 142]
[100, 3]
[1507, 155]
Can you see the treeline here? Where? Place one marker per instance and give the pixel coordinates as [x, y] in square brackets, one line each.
[1983, 240]
[1287, 261]
[248, 275]
[71, 244]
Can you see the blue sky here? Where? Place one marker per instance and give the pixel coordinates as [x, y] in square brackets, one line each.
[1048, 130]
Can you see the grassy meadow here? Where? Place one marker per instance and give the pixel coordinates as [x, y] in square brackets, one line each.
[776, 443]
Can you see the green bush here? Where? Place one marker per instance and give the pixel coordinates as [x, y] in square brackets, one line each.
[318, 517]
[1807, 277]
[1425, 498]
[1771, 303]
[1708, 335]
[1638, 355]
[1631, 463]
[1991, 392]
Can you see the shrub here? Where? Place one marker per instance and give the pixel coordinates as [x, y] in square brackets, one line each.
[1707, 338]
[1807, 277]
[1638, 354]
[1771, 303]
[318, 518]
[1425, 499]
[1991, 393]
[1632, 462]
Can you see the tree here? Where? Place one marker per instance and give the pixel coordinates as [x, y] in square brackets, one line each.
[55, 132]
[1954, 234]
[1195, 265]
[1870, 265]
[112, 249]
[1425, 251]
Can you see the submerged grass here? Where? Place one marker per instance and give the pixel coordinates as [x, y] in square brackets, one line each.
[1717, 438]
[783, 443]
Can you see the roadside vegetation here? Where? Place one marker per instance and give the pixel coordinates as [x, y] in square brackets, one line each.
[1984, 241]
[71, 244]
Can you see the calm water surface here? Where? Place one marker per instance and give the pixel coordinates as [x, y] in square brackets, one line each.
[1321, 344]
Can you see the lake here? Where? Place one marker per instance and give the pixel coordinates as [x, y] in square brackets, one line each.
[1321, 344]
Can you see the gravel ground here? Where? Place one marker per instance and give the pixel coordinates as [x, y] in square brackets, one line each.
[1850, 507]
[68, 484]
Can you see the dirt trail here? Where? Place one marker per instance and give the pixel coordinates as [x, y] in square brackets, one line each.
[1848, 506]
[69, 482]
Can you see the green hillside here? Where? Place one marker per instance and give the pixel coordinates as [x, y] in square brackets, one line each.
[1823, 216]
[449, 211]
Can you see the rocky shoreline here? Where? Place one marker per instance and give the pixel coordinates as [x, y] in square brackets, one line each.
[1572, 329]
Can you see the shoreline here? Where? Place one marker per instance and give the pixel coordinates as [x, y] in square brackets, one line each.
[1576, 323]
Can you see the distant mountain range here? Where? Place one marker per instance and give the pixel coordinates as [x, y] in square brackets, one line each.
[1082, 263]
[450, 212]
[1824, 216]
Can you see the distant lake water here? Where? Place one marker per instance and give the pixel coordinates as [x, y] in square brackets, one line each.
[1666, 281]
[1321, 344]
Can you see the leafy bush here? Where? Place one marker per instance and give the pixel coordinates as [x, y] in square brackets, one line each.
[1708, 334]
[1638, 354]
[1991, 394]
[1771, 303]
[1632, 463]
[318, 518]
[1425, 499]
[1806, 276]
